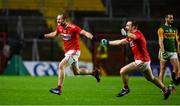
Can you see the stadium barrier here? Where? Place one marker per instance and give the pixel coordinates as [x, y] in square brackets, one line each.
[49, 68]
[16, 66]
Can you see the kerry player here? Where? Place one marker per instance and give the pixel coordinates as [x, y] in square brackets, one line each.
[168, 43]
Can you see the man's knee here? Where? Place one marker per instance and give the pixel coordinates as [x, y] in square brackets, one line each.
[163, 67]
[121, 71]
[75, 69]
[151, 78]
[176, 68]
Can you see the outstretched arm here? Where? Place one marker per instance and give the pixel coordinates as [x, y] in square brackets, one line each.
[50, 35]
[118, 42]
[114, 42]
[87, 34]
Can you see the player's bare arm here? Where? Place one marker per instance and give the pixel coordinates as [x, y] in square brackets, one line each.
[161, 38]
[161, 44]
[50, 35]
[118, 42]
[87, 34]
[177, 40]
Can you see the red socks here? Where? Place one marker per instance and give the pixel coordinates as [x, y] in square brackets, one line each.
[164, 90]
[59, 87]
[126, 87]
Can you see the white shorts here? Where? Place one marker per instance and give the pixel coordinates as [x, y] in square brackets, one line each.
[142, 66]
[72, 56]
[171, 55]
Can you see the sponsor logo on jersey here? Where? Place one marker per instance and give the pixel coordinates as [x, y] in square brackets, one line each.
[66, 37]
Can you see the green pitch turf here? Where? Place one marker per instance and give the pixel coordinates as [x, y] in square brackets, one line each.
[18, 90]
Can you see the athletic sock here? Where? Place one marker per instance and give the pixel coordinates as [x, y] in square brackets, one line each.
[59, 87]
[175, 80]
[126, 86]
[178, 80]
[173, 76]
[164, 90]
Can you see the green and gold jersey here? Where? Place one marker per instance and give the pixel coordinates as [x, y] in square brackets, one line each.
[170, 35]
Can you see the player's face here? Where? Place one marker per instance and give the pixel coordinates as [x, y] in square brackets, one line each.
[129, 26]
[170, 19]
[60, 20]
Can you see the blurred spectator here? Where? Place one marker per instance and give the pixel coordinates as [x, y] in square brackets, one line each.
[16, 45]
[102, 56]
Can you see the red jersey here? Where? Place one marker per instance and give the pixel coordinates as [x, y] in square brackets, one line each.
[70, 36]
[138, 46]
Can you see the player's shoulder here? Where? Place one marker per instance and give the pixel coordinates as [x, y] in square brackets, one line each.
[162, 27]
[59, 28]
[71, 25]
[137, 32]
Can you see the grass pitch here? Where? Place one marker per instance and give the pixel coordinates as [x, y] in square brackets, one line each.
[19, 90]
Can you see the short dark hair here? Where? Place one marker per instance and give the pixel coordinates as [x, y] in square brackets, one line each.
[167, 15]
[65, 16]
[134, 22]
